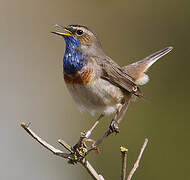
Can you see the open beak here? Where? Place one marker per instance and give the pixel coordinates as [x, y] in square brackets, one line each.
[65, 33]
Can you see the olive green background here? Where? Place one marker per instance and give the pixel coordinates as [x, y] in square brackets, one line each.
[32, 88]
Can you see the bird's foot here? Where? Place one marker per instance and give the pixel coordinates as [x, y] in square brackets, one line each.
[92, 146]
[114, 126]
[89, 143]
[81, 147]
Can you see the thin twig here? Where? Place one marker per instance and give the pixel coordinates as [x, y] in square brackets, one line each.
[65, 145]
[44, 143]
[60, 153]
[91, 170]
[84, 161]
[124, 162]
[136, 165]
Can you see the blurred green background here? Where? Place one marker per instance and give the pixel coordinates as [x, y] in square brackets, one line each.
[32, 88]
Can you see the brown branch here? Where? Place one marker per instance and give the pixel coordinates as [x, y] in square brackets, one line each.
[124, 162]
[91, 170]
[44, 143]
[60, 153]
[65, 145]
[77, 154]
[136, 165]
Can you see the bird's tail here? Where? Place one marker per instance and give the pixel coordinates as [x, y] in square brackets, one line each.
[137, 70]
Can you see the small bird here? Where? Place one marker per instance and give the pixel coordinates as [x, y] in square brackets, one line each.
[94, 80]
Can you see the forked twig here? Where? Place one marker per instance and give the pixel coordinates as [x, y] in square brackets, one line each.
[60, 153]
[72, 156]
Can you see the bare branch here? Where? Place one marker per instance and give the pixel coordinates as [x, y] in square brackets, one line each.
[124, 162]
[44, 143]
[65, 145]
[91, 170]
[136, 165]
[60, 153]
[74, 154]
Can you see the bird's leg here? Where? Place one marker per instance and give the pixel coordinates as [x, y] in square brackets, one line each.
[118, 117]
[81, 147]
[114, 125]
[122, 111]
[88, 133]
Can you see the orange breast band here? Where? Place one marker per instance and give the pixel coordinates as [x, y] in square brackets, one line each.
[79, 78]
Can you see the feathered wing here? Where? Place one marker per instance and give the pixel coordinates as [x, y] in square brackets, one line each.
[113, 73]
[128, 77]
[137, 70]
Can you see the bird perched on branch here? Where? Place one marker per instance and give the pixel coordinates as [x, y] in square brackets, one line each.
[94, 80]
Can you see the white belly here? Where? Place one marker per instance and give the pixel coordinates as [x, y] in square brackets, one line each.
[97, 96]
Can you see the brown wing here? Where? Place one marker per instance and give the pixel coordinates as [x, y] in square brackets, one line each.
[113, 73]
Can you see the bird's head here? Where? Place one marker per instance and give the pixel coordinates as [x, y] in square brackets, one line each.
[79, 36]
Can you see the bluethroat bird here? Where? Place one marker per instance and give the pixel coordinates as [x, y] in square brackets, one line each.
[94, 80]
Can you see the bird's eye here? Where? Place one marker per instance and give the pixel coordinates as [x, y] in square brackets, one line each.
[79, 32]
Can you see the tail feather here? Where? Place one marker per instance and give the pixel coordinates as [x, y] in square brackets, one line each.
[137, 70]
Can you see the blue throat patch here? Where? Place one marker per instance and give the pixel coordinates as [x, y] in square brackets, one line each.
[73, 60]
